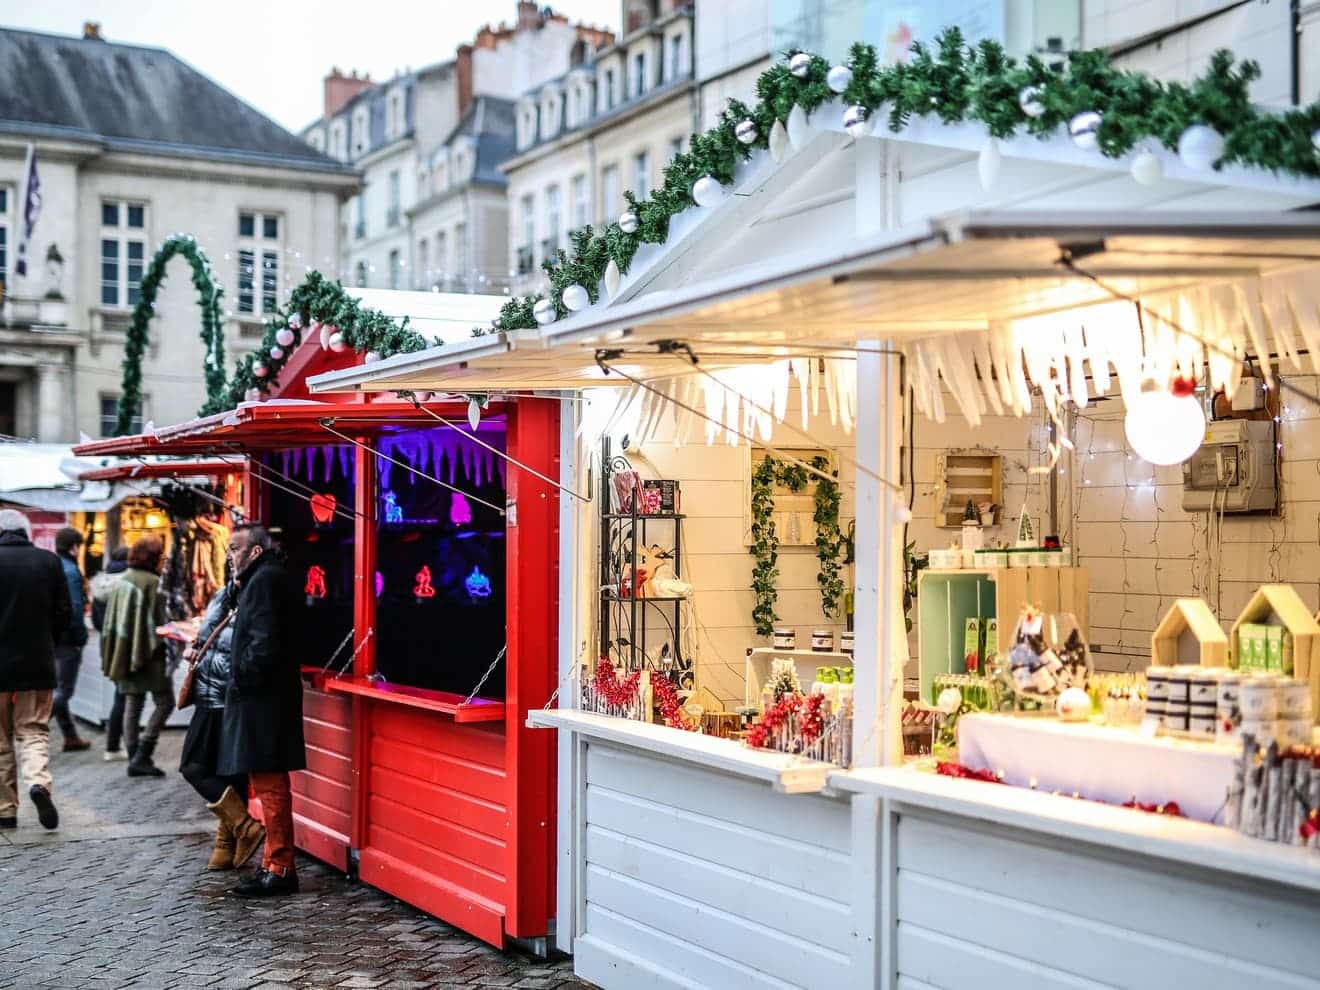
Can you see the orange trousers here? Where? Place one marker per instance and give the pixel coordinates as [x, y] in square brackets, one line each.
[272, 790]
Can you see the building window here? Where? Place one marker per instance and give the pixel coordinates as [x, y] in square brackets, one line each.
[360, 275]
[360, 216]
[581, 202]
[338, 140]
[608, 96]
[551, 243]
[317, 139]
[610, 193]
[642, 174]
[123, 251]
[396, 267]
[677, 57]
[4, 240]
[460, 253]
[422, 276]
[442, 257]
[527, 249]
[361, 139]
[392, 209]
[258, 263]
[639, 74]
[110, 415]
[394, 126]
[675, 148]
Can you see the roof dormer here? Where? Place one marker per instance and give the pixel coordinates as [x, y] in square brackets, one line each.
[525, 125]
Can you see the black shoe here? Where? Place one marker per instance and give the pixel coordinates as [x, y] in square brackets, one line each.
[140, 765]
[46, 813]
[8, 823]
[263, 883]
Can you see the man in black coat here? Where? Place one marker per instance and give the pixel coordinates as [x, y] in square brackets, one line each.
[262, 733]
[34, 612]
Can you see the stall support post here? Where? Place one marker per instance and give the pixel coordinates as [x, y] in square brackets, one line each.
[532, 629]
[574, 518]
[364, 623]
[880, 643]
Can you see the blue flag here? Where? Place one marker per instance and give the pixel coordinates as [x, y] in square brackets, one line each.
[31, 209]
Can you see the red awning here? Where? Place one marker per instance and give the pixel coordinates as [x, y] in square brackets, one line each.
[276, 426]
[129, 470]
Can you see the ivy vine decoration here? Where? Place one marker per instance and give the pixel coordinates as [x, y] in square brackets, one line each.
[212, 332]
[830, 542]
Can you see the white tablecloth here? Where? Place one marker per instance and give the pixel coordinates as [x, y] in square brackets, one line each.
[1100, 762]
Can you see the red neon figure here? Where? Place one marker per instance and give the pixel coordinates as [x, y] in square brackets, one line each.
[323, 508]
[315, 585]
[423, 587]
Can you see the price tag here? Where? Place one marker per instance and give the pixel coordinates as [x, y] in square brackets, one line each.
[1150, 726]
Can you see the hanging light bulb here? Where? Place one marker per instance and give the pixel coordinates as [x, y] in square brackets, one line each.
[1163, 427]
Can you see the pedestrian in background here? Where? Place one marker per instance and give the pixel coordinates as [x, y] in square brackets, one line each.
[34, 612]
[102, 584]
[133, 655]
[69, 647]
[263, 726]
[238, 834]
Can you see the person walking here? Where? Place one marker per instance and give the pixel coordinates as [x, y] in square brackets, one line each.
[69, 646]
[34, 612]
[238, 834]
[102, 585]
[263, 728]
[133, 656]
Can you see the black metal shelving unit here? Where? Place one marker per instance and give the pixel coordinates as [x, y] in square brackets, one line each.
[623, 625]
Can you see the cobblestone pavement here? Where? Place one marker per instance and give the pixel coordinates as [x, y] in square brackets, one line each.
[119, 896]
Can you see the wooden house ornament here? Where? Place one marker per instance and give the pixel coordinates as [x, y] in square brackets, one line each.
[1280, 605]
[1189, 633]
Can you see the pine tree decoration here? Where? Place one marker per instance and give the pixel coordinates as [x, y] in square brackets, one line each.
[784, 679]
[1026, 535]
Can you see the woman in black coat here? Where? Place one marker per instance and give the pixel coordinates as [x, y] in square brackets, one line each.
[263, 728]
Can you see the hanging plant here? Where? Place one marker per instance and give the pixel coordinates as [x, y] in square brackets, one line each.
[765, 540]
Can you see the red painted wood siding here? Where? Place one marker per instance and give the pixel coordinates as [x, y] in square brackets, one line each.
[323, 793]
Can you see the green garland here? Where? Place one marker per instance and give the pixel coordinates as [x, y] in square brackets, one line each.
[765, 541]
[957, 83]
[208, 297]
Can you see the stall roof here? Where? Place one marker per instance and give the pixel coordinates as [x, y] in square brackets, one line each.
[274, 425]
[949, 274]
[189, 468]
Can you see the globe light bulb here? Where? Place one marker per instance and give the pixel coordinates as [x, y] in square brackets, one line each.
[1161, 427]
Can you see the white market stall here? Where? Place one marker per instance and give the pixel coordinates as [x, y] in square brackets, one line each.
[690, 861]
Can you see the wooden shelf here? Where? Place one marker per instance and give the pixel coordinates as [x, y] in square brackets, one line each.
[770, 651]
[444, 702]
[645, 598]
[644, 516]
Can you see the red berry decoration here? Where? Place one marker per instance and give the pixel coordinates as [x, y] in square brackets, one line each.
[1183, 386]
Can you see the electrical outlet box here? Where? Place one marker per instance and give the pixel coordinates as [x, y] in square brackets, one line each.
[1249, 395]
[1233, 470]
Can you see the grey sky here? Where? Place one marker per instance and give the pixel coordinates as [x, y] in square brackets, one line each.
[274, 53]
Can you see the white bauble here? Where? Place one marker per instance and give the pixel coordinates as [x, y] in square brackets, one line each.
[839, 78]
[1200, 147]
[284, 336]
[260, 370]
[1073, 705]
[988, 164]
[576, 298]
[336, 342]
[707, 191]
[1315, 141]
[779, 144]
[1161, 427]
[854, 120]
[612, 279]
[746, 132]
[295, 320]
[276, 353]
[628, 222]
[800, 65]
[949, 701]
[1147, 168]
[544, 312]
[799, 128]
[1084, 129]
[1029, 101]
[327, 331]
[371, 357]
[474, 413]
[902, 514]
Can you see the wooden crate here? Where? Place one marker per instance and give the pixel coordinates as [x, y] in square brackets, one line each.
[1279, 604]
[973, 474]
[1189, 616]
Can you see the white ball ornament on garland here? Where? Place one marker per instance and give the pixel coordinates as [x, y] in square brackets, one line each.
[1200, 146]
[371, 357]
[628, 222]
[839, 78]
[1147, 168]
[295, 320]
[1029, 101]
[746, 132]
[1084, 129]
[707, 191]
[800, 65]
[260, 370]
[544, 312]
[337, 342]
[284, 336]
[276, 353]
[854, 120]
[1315, 141]
[576, 298]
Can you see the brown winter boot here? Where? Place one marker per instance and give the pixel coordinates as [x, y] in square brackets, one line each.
[222, 855]
[247, 832]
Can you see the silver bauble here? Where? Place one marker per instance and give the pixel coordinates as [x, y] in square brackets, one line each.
[1200, 147]
[1029, 101]
[707, 191]
[284, 336]
[575, 298]
[337, 342]
[839, 78]
[260, 370]
[854, 120]
[1084, 129]
[800, 65]
[544, 312]
[276, 353]
[295, 320]
[628, 222]
[371, 357]
[746, 132]
[1146, 168]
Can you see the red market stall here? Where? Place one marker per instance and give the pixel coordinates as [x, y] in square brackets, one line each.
[429, 570]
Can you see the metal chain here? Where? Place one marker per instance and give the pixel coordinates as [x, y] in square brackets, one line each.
[489, 670]
[339, 671]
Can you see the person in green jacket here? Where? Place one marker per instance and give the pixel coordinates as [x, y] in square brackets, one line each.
[133, 656]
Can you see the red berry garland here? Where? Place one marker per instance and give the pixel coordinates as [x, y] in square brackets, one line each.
[619, 693]
[811, 723]
[758, 736]
[666, 700]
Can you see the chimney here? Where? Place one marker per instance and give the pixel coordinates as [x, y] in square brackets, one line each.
[339, 89]
[92, 31]
[529, 15]
[463, 77]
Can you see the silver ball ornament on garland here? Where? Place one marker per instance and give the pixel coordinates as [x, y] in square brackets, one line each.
[1084, 129]
[284, 336]
[371, 357]
[855, 120]
[800, 65]
[839, 78]
[707, 191]
[260, 370]
[1200, 146]
[1029, 101]
[746, 132]
[576, 298]
[628, 222]
[295, 319]
[337, 342]
[276, 353]
[544, 311]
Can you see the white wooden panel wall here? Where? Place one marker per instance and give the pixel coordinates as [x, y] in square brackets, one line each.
[979, 908]
[697, 879]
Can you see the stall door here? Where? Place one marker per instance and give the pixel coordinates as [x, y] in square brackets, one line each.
[322, 794]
